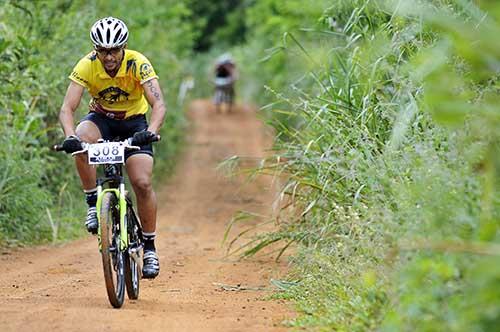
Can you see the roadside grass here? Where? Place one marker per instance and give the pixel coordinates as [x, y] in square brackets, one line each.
[390, 148]
[40, 196]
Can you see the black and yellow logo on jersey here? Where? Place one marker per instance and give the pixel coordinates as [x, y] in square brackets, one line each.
[145, 70]
[113, 94]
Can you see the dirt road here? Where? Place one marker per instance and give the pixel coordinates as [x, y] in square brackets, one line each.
[62, 288]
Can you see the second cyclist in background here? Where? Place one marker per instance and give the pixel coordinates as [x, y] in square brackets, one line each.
[225, 77]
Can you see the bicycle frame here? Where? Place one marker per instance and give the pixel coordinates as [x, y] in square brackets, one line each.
[120, 193]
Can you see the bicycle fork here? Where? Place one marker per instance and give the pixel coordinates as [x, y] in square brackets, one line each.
[122, 205]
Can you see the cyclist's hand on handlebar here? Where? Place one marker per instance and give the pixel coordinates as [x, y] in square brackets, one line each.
[72, 144]
[143, 138]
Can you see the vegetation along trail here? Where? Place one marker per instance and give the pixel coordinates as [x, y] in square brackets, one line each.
[62, 288]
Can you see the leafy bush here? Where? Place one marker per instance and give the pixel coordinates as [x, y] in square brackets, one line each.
[41, 41]
[390, 145]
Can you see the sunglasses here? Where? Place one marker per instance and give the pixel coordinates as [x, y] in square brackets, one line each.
[105, 51]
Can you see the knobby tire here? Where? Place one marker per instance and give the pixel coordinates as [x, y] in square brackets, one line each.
[132, 267]
[112, 257]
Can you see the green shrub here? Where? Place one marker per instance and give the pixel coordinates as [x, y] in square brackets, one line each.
[390, 145]
[40, 43]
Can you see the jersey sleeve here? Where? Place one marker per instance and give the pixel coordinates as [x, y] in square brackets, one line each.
[146, 71]
[81, 73]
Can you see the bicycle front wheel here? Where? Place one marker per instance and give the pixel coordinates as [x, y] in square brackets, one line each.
[112, 257]
[133, 255]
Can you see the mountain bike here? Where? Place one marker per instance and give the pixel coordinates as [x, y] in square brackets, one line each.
[224, 93]
[120, 233]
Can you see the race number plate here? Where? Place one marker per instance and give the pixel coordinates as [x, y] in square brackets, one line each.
[106, 153]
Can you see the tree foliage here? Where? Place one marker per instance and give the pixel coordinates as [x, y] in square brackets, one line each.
[40, 42]
[217, 23]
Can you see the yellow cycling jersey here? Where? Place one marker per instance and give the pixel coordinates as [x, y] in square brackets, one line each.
[122, 95]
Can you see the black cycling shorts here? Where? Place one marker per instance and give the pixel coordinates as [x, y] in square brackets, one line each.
[119, 130]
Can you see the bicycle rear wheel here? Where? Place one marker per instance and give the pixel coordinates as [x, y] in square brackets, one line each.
[133, 256]
[112, 257]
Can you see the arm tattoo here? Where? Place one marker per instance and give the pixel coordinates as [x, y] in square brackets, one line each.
[153, 90]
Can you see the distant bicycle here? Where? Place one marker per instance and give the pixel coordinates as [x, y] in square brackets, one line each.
[119, 233]
[224, 93]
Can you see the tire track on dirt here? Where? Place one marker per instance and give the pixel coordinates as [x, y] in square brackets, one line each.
[62, 288]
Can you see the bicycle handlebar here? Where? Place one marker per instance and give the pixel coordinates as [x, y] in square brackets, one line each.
[156, 138]
[127, 142]
[58, 147]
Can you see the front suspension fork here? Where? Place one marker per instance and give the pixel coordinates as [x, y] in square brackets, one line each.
[122, 206]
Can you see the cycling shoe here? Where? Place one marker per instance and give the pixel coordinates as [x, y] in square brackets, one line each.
[151, 266]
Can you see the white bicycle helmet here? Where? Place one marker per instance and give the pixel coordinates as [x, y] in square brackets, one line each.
[109, 32]
[224, 58]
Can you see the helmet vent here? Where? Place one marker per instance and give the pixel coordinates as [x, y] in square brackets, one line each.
[117, 36]
[124, 38]
[99, 36]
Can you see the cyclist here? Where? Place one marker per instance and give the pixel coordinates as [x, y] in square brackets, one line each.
[225, 77]
[121, 83]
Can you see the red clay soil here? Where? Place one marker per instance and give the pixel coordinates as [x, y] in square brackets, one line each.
[61, 288]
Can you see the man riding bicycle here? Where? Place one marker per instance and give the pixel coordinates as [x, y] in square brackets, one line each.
[225, 77]
[121, 83]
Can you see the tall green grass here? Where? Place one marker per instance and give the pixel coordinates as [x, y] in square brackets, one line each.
[391, 150]
[40, 42]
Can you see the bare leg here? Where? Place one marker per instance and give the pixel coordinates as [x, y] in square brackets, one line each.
[217, 100]
[230, 98]
[88, 132]
[140, 169]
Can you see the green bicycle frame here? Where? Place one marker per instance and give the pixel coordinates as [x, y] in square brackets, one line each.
[120, 193]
